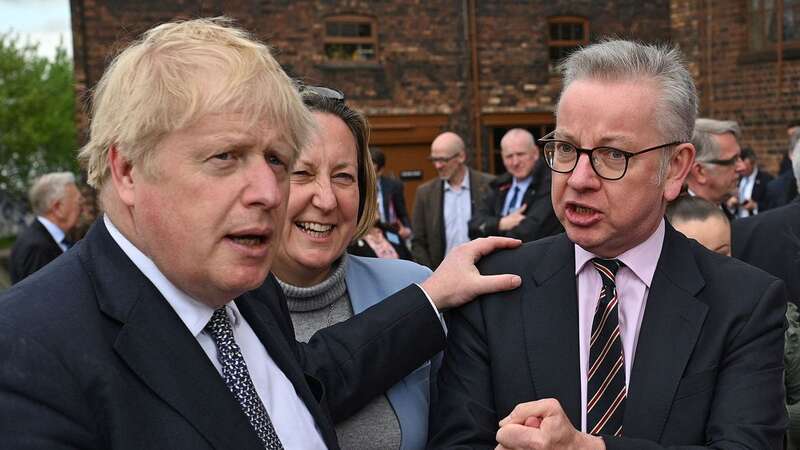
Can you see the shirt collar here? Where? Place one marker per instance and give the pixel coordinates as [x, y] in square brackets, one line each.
[464, 182]
[194, 314]
[523, 185]
[53, 229]
[640, 259]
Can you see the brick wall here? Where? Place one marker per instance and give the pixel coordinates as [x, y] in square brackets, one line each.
[424, 54]
[735, 82]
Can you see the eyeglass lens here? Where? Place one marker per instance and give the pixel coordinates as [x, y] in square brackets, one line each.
[607, 162]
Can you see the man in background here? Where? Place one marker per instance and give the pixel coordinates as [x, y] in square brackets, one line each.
[518, 202]
[718, 164]
[443, 206]
[391, 199]
[753, 183]
[56, 202]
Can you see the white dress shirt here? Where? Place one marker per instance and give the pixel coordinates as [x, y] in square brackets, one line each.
[56, 232]
[633, 282]
[293, 422]
[746, 193]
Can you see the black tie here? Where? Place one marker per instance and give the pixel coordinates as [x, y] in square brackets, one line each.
[606, 390]
[67, 243]
[237, 378]
[513, 201]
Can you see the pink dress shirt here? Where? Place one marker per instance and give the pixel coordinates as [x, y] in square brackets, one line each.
[633, 284]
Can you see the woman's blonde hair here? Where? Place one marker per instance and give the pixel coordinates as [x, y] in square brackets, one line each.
[175, 74]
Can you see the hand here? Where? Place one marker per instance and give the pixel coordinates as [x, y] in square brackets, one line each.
[543, 425]
[750, 205]
[513, 219]
[732, 203]
[403, 231]
[457, 281]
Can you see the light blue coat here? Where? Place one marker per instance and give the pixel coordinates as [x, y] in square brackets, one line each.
[370, 280]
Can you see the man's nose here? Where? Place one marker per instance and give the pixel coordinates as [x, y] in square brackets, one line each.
[262, 185]
[583, 176]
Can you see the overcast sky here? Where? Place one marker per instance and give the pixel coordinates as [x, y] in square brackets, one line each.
[44, 21]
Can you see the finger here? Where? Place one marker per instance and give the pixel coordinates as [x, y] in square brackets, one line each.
[533, 421]
[522, 208]
[483, 246]
[538, 408]
[518, 436]
[497, 283]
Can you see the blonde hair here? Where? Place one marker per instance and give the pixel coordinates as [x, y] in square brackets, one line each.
[175, 74]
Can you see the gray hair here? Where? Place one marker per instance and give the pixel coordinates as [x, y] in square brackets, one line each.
[628, 60]
[614, 60]
[47, 189]
[703, 141]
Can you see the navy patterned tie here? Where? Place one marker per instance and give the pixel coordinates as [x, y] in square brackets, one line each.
[513, 202]
[606, 390]
[237, 378]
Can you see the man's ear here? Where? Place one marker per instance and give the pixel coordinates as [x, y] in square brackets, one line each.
[680, 164]
[121, 175]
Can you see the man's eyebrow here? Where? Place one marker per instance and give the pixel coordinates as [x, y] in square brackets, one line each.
[609, 140]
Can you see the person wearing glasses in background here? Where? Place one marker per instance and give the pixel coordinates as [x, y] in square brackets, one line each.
[624, 334]
[332, 202]
[443, 206]
[718, 164]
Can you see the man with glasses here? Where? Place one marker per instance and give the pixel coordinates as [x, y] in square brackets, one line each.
[444, 205]
[718, 165]
[624, 333]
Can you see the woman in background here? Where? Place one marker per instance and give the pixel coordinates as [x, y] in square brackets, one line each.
[331, 203]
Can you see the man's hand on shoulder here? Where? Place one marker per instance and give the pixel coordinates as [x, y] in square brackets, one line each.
[543, 425]
[457, 281]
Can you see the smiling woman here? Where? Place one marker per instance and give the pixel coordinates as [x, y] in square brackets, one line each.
[331, 203]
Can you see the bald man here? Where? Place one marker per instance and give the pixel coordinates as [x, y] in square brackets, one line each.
[444, 205]
[518, 202]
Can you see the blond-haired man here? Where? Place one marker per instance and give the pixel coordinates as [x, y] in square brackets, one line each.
[149, 334]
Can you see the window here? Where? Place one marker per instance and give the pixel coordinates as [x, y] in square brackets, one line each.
[764, 27]
[567, 33]
[350, 38]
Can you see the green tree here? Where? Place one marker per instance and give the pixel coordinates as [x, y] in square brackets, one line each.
[37, 126]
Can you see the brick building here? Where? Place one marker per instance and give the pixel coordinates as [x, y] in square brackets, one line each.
[475, 67]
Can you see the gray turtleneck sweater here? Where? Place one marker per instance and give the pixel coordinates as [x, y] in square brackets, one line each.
[312, 308]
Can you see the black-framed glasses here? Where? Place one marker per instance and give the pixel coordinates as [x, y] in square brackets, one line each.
[321, 91]
[609, 163]
[724, 162]
[442, 159]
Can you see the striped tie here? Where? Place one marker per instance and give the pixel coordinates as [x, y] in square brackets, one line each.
[605, 407]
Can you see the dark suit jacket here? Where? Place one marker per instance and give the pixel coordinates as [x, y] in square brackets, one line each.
[771, 241]
[428, 242]
[32, 250]
[708, 369]
[759, 194]
[93, 357]
[392, 193]
[781, 190]
[540, 220]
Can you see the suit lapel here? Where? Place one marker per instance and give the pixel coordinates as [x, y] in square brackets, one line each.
[265, 325]
[159, 349]
[438, 218]
[672, 322]
[550, 315]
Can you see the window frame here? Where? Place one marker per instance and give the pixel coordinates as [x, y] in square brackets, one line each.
[350, 18]
[777, 12]
[564, 43]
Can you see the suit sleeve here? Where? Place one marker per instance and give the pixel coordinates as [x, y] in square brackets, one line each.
[362, 357]
[37, 412]
[748, 409]
[419, 240]
[484, 222]
[463, 414]
[31, 259]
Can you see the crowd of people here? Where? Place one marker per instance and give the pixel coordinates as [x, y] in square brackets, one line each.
[255, 280]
